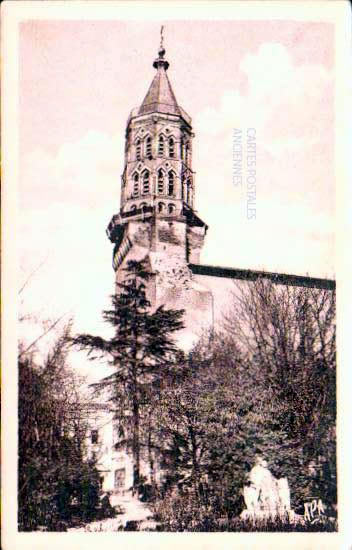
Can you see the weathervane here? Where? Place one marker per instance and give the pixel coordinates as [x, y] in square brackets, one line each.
[161, 62]
[162, 37]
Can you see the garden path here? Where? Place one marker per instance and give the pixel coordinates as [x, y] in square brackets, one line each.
[134, 511]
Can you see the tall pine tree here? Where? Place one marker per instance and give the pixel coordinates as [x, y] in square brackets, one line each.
[142, 350]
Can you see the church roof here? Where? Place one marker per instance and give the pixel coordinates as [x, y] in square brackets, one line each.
[252, 275]
[160, 97]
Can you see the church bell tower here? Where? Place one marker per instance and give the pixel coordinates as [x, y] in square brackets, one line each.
[157, 218]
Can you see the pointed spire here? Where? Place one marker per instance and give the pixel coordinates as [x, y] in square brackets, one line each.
[160, 98]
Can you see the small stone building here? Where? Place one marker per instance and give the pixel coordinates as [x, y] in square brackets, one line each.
[103, 447]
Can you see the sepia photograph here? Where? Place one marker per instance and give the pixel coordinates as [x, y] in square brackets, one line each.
[176, 215]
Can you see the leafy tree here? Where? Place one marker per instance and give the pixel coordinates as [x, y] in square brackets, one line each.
[52, 427]
[141, 350]
[290, 333]
[214, 422]
[263, 384]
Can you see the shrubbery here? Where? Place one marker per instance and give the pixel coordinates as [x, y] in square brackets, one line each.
[56, 486]
[263, 384]
[182, 511]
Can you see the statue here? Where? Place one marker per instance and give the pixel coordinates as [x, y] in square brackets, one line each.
[284, 494]
[265, 497]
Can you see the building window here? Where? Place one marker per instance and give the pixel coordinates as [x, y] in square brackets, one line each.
[171, 208]
[189, 192]
[171, 147]
[171, 182]
[148, 147]
[160, 182]
[161, 206]
[94, 436]
[135, 185]
[182, 144]
[143, 206]
[161, 146]
[187, 154]
[145, 182]
[120, 478]
[133, 207]
[138, 149]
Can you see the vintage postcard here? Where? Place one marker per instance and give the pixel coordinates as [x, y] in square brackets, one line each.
[174, 191]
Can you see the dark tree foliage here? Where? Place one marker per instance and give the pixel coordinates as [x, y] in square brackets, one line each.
[52, 473]
[213, 424]
[290, 333]
[141, 350]
[264, 384]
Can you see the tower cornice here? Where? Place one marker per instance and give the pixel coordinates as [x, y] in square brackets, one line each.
[136, 117]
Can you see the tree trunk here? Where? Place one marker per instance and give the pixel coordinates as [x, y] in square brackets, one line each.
[195, 466]
[150, 458]
[136, 446]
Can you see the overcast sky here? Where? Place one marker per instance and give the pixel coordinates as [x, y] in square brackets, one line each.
[78, 82]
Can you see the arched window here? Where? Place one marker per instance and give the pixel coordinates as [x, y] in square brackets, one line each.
[161, 207]
[148, 147]
[183, 187]
[187, 154]
[138, 149]
[189, 191]
[133, 207]
[135, 185]
[161, 146]
[145, 182]
[182, 145]
[171, 208]
[160, 182]
[143, 206]
[171, 184]
[171, 147]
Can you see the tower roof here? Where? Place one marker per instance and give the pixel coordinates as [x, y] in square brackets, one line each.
[160, 97]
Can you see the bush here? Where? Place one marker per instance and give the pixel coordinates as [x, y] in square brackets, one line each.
[182, 512]
[52, 472]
